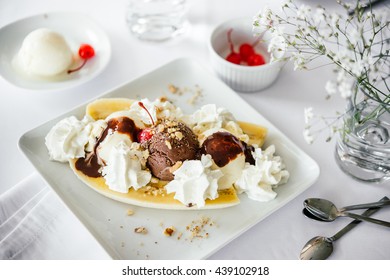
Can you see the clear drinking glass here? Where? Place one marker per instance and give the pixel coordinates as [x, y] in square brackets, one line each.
[363, 149]
[157, 20]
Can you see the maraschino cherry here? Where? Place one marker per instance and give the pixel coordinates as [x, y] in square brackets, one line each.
[255, 60]
[232, 57]
[146, 133]
[246, 50]
[85, 52]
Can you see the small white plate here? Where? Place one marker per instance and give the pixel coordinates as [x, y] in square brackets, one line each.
[107, 219]
[76, 29]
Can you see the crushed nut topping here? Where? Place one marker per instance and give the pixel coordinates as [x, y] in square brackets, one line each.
[142, 230]
[197, 228]
[169, 231]
[173, 89]
[163, 98]
[179, 135]
[168, 144]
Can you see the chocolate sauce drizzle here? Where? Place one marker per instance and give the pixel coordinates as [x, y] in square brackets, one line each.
[91, 164]
[225, 147]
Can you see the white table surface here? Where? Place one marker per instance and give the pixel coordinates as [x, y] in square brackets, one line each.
[279, 236]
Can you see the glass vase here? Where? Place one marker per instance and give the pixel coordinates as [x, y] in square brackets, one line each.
[363, 147]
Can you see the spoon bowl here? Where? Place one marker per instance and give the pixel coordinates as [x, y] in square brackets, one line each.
[309, 215]
[317, 248]
[321, 208]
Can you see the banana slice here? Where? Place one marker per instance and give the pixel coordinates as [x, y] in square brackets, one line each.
[256, 133]
[102, 108]
[154, 195]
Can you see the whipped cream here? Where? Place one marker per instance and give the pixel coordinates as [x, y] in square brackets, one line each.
[234, 128]
[210, 118]
[68, 138]
[109, 143]
[259, 180]
[124, 168]
[195, 182]
[158, 109]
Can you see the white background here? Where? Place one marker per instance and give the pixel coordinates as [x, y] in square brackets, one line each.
[279, 236]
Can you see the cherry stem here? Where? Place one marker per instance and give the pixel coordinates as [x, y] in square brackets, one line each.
[78, 68]
[229, 35]
[254, 44]
[258, 39]
[147, 111]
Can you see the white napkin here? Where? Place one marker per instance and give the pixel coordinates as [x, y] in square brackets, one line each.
[35, 224]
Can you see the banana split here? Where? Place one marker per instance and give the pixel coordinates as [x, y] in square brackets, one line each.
[151, 154]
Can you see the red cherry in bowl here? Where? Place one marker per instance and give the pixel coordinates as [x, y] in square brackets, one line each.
[256, 60]
[234, 58]
[246, 50]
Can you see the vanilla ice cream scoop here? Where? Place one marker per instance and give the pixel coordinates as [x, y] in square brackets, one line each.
[44, 53]
[228, 154]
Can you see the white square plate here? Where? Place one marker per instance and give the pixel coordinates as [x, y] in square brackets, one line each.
[107, 219]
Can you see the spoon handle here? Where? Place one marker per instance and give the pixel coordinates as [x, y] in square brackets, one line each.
[354, 223]
[366, 219]
[366, 205]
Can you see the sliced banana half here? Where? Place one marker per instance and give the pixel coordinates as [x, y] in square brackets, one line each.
[154, 195]
[102, 108]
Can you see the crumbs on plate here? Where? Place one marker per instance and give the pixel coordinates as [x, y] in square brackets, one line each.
[196, 92]
[169, 231]
[141, 230]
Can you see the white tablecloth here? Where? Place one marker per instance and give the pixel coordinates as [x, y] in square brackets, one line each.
[50, 231]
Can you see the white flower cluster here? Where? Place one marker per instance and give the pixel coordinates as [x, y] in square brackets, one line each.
[358, 46]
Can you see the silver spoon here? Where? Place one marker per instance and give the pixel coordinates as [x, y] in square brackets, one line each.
[320, 248]
[321, 203]
[327, 211]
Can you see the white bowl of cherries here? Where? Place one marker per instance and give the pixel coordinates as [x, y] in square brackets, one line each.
[241, 60]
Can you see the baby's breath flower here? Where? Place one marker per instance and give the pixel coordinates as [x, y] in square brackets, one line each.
[277, 47]
[308, 115]
[299, 60]
[345, 89]
[358, 46]
[335, 19]
[262, 21]
[331, 87]
[355, 36]
[303, 12]
[308, 136]
[319, 16]
[286, 3]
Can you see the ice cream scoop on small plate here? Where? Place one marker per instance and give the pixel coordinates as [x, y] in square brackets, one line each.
[41, 52]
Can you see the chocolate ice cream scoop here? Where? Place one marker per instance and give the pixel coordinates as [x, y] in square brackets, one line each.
[171, 142]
